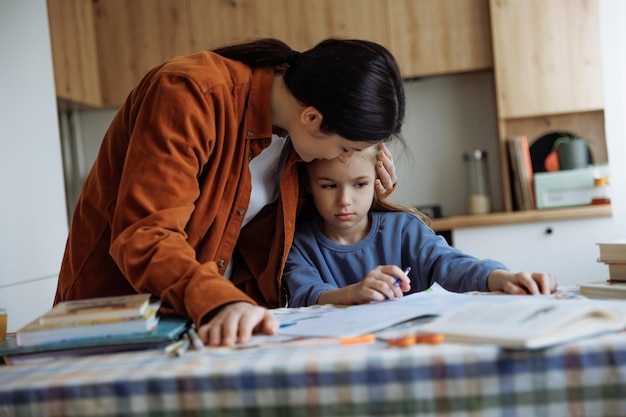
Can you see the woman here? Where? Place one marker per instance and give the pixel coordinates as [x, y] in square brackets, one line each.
[194, 194]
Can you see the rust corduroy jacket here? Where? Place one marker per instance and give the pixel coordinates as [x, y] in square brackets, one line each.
[162, 208]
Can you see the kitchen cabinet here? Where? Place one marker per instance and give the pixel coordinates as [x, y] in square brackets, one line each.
[546, 56]
[121, 40]
[74, 51]
[548, 73]
[566, 248]
[438, 37]
[132, 37]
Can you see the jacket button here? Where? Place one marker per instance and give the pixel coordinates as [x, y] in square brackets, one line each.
[241, 212]
[250, 133]
[221, 263]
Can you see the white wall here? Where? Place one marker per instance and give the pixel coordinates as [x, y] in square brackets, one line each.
[613, 38]
[447, 116]
[33, 225]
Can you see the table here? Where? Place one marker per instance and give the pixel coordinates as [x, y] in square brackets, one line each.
[586, 378]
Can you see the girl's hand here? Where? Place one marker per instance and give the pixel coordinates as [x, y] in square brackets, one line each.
[385, 171]
[525, 282]
[235, 323]
[378, 285]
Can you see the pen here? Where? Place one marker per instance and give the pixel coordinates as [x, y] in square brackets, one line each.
[195, 339]
[398, 280]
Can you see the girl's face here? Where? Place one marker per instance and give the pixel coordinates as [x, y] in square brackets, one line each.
[343, 191]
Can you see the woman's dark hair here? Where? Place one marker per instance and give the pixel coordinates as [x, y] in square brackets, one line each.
[355, 84]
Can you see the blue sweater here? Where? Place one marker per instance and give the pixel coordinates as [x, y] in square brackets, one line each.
[317, 264]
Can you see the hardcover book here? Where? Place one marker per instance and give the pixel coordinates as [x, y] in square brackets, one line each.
[604, 289]
[168, 329]
[94, 309]
[617, 271]
[521, 167]
[614, 251]
[530, 324]
[38, 332]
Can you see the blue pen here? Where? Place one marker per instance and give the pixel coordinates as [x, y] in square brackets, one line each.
[398, 280]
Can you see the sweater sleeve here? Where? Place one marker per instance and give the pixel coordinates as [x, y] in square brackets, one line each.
[437, 261]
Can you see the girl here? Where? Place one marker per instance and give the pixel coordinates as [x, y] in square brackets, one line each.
[194, 193]
[356, 249]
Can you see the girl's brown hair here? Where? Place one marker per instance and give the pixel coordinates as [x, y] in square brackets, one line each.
[383, 205]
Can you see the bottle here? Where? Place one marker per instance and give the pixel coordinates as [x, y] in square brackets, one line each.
[479, 197]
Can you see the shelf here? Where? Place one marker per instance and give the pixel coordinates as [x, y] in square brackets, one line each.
[516, 217]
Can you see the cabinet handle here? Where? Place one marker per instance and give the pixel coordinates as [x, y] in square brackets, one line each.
[549, 230]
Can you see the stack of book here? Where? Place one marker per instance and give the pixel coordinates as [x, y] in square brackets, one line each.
[613, 255]
[91, 318]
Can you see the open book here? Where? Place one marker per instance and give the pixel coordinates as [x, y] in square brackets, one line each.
[515, 321]
[530, 324]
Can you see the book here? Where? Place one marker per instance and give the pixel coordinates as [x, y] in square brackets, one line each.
[36, 332]
[530, 324]
[617, 271]
[105, 308]
[522, 172]
[506, 320]
[169, 328]
[613, 251]
[603, 289]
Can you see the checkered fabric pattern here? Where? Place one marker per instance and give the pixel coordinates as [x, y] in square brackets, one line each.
[587, 378]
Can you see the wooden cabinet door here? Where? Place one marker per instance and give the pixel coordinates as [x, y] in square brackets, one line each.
[546, 56]
[134, 36]
[215, 23]
[74, 51]
[313, 21]
[439, 36]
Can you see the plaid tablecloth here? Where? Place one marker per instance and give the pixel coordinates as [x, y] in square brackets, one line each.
[587, 378]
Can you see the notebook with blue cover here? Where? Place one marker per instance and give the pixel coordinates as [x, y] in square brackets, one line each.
[168, 329]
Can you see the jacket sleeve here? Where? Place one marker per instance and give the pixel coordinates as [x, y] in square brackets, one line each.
[172, 132]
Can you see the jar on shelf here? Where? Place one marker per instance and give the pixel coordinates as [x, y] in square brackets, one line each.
[479, 196]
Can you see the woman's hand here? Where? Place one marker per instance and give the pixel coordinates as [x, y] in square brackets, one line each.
[235, 323]
[525, 282]
[386, 172]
